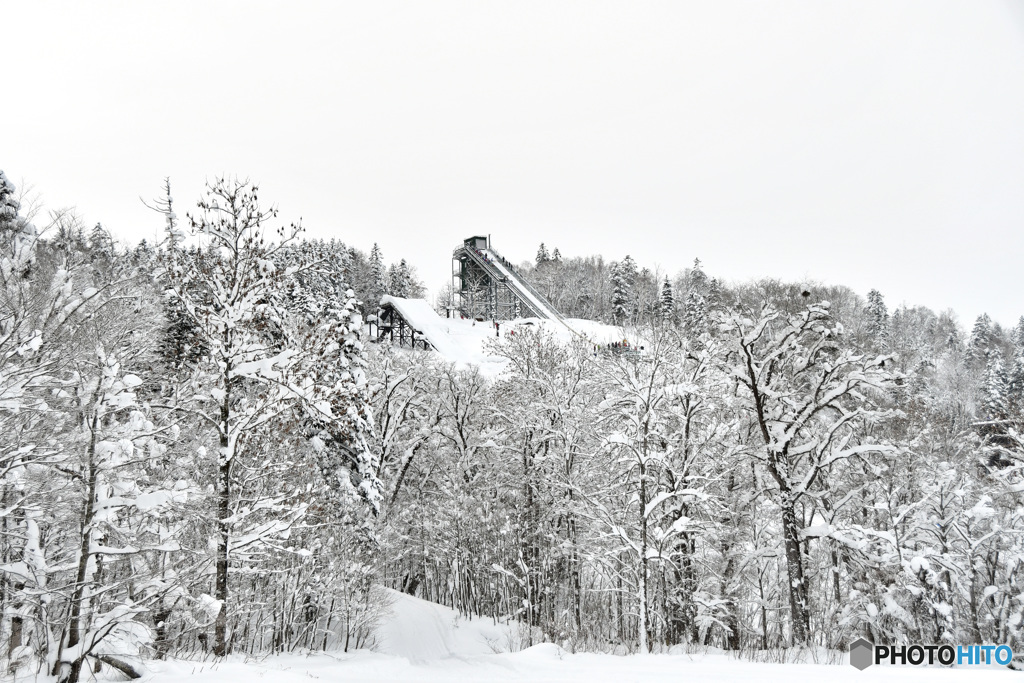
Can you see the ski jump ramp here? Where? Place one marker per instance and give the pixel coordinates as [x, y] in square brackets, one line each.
[489, 292]
[412, 322]
[416, 323]
[489, 287]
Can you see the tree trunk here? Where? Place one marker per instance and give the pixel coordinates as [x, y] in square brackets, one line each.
[689, 615]
[837, 593]
[644, 626]
[764, 611]
[79, 596]
[577, 584]
[220, 646]
[14, 642]
[531, 556]
[121, 665]
[798, 607]
[620, 617]
[732, 622]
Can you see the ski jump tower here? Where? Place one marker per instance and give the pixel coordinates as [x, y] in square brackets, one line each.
[487, 286]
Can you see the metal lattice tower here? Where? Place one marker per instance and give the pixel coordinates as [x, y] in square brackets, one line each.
[488, 287]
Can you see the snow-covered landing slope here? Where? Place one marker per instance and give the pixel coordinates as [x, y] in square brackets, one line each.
[465, 341]
[442, 333]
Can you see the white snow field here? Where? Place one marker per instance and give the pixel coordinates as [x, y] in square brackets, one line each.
[424, 642]
[465, 341]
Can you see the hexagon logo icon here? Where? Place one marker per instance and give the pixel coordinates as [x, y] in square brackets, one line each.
[862, 653]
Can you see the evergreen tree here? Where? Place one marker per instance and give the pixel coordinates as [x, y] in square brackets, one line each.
[100, 242]
[542, 254]
[630, 274]
[878, 317]
[378, 275]
[70, 237]
[405, 275]
[698, 279]
[143, 255]
[629, 270]
[996, 390]
[9, 205]
[180, 345]
[556, 256]
[1016, 385]
[1015, 388]
[17, 240]
[714, 292]
[695, 306]
[620, 293]
[981, 339]
[695, 313]
[668, 302]
[400, 280]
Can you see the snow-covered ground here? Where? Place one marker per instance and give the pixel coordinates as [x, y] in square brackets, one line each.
[544, 663]
[422, 631]
[424, 642]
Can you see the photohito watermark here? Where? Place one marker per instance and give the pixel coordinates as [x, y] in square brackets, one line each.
[864, 653]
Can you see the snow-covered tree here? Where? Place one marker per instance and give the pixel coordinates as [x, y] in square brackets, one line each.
[9, 204]
[116, 511]
[542, 254]
[695, 306]
[878, 318]
[623, 276]
[650, 421]
[196, 450]
[400, 281]
[378, 276]
[541, 415]
[77, 448]
[100, 242]
[996, 391]
[808, 398]
[255, 371]
[667, 303]
[696, 277]
[695, 314]
[980, 340]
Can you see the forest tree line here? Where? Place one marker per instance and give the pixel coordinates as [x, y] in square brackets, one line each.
[201, 454]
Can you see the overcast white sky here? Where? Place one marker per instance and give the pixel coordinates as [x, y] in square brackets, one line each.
[872, 144]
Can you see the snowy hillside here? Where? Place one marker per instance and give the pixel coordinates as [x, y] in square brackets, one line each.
[465, 341]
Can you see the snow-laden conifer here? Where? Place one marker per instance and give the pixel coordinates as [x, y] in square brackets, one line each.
[256, 371]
